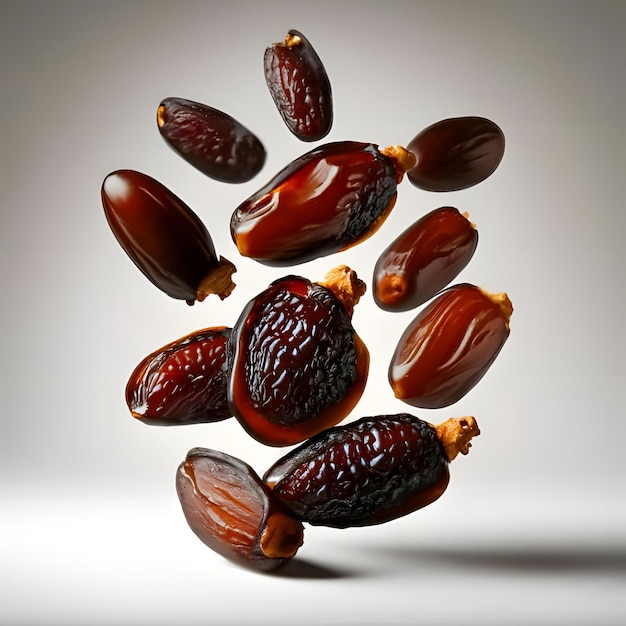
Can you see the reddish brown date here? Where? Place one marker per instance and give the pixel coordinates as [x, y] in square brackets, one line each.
[449, 346]
[233, 512]
[299, 86]
[329, 199]
[456, 153]
[370, 471]
[425, 258]
[210, 140]
[298, 365]
[184, 382]
[165, 239]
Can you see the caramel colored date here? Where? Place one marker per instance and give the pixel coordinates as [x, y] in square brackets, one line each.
[449, 346]
[298, 365]
[233, 512]
[210, 140]
[329, 199]
[299, 86]
[370, 471]
[456, 153]
[425, 258]
[184, 382]
[165, 239]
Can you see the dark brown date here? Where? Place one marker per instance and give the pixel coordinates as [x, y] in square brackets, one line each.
[370, 471]
[165, 239]
[425, 258]
[329, 199]
[299, 86]
[298, 365]
[456, 153]
[210, 140]
[184, 382]
[449, 346]
[233, 512]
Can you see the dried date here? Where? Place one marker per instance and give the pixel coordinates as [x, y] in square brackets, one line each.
[184, 382]
[212, 141]
[370, 471]
[299, 86]
[298, 366]
[328, 200]
[425, 258]
[449, 346]
[165, 239]
[456, 153]
[234, 513]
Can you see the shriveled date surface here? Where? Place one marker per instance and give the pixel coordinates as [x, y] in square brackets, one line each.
[298, 365]
[370, 471]
[184, 382]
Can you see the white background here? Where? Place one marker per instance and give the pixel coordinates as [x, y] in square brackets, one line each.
[532, 529]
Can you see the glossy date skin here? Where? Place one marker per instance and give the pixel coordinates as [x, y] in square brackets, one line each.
[425, 258]
[232, 511]
[299, 86]
[298, 366]
[212, 141]
[184, 382]
[327, 200]
[449, 346]
[456, 153]
[370, 471]
[165, 239]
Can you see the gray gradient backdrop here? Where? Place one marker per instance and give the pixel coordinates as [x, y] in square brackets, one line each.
[533, 527]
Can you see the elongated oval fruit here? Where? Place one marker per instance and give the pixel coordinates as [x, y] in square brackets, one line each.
[456, 153]
[298, 366]
[234, 513]
[165, 239]
[370, 471]
[328, 200]
[425, 258]
[299, 86]
[184, 382]
[212, 141]
[449, 346]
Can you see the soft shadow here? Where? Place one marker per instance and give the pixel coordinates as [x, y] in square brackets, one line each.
[302, 568]
[522, 559]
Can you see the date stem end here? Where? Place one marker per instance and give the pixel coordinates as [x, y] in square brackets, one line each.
[456, 434]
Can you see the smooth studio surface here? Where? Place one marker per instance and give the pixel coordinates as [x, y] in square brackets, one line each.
[531, 530]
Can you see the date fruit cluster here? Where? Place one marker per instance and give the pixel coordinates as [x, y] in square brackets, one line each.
[292, 367]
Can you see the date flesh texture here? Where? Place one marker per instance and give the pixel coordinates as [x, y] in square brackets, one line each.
[298, 365]
[326, 201]
[370, 471]
[449, 346]
[165, 239]
[184, 382]
[233, 512]
[456, 153]
[299, 86]
[425, 258]
[212, 141]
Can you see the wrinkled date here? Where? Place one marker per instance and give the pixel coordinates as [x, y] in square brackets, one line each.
[184, 382]
[298, 365]
[165, 239]
[233, 512]
[456, 153]
[424, 259]
[210, 140]
[329, 199]
[299, 86]
[449, 346]
[370, 471]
